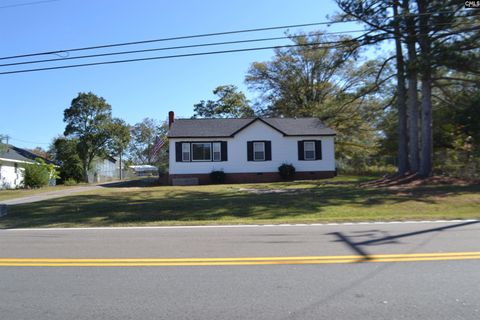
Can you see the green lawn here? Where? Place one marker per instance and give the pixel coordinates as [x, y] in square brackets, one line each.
[19, 193]
[333, 200]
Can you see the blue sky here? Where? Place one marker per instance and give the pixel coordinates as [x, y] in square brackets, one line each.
[32, 104]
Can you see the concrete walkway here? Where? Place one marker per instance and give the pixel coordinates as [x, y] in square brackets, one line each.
[49, 195]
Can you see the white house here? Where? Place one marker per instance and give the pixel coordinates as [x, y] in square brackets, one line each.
[12, 162]
[249, 150]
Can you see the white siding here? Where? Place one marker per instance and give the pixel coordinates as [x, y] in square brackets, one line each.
[10, 177]
[284, 150]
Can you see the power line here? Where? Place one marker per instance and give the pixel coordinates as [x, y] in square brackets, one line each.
[328, 23]
[166, 57]
[184, 47]
[27, 4]
[335, 44]
[203, 35]
[176, 47]
[27, 141]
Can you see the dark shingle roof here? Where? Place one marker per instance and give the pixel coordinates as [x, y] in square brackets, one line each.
[18, 154]
[216, 128]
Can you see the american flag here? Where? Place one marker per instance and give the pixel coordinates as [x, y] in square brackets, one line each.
[159, 143]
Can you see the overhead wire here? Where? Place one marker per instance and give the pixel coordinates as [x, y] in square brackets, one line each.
[177, 47]
[328, 23]
[172, 48]
[24, 4]
[202, 35]
[160, 58]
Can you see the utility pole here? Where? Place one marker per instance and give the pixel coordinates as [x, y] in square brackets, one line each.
[121, 151]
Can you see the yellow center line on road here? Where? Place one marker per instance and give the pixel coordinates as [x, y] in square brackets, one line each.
[234, 261]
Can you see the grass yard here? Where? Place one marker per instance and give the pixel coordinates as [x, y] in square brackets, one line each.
[19, 193]
[333, 200]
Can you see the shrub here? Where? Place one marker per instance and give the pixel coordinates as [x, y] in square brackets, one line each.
[70, 182]
[36, 175]
[287, 171]
[217, 176]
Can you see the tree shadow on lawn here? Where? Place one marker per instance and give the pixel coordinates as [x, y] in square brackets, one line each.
[184, 205]
[139, 183]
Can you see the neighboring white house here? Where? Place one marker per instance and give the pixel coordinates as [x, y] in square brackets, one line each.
[250, 150]
[12, 162]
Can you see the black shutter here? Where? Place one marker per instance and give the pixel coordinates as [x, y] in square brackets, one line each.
[318, 150]
[224, 151]
[301, 155]
[250, 150]
[268, 150]
[178, 151]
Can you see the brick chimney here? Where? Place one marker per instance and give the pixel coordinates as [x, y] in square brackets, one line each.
[171, 118]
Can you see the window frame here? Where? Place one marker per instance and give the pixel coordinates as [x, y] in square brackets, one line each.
[202, 160]
[219, 151]
[262, 143]
[312, 142]
[186, 144]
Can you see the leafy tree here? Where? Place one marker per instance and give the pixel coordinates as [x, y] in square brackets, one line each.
[89, 121]
[64, 151]
[120, 136]
[456, 133]
[120, 133]
[144, 135]
[376, 15]
[39, 151]
[231, 103]
[315, 80]
[436, 34]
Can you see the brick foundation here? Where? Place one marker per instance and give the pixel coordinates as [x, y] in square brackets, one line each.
[256, 177]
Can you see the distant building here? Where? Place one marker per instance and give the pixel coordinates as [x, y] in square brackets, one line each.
[144, 170]
[105, 169]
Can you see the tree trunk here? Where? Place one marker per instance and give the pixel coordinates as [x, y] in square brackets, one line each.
[121, 164]
[401, 98]
[426, 70]
[85, 170]
[412, 100]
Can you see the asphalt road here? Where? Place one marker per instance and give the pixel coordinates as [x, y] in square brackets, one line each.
[442, 289]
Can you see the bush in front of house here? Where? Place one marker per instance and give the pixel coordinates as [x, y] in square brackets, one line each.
[287, 171]
[36, 175]
[217, 176]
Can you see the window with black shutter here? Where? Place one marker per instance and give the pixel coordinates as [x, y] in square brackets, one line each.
[224, 150]
[318, 150]
[268, 150]
[301, 155]
[259, 150]
[310, 150]
[250, 150]
[217, 151]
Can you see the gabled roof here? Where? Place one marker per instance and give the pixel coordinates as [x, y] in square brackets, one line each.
[19, 155]
[225, 128]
